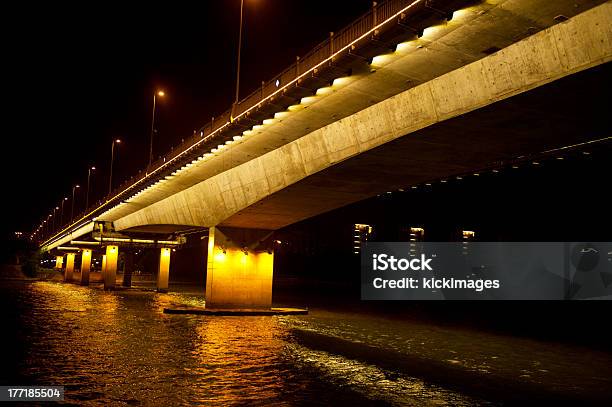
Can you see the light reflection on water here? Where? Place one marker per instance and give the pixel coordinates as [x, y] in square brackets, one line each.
[119, 348]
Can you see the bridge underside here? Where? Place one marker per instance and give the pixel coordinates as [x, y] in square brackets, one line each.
[562, 113]
[541, 93]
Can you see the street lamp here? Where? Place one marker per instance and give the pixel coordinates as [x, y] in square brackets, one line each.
[110, 177]
[159, 93]
[89, 170]
[62, 212]
[72, 209]
[55, 209]
[239, 52]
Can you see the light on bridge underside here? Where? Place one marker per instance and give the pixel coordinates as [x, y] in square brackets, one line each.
[281, 115]
[308, 100]
[295, 108]
[161, 93]
[324, 91]
[431, 33]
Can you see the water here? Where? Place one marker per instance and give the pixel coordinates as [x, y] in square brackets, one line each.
[118, 348]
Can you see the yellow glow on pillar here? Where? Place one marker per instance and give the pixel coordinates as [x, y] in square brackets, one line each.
[86, 256]
[220, 256]
[112, 253]
[85, 266]
[163, 274]
[69, 267]
[59, 262]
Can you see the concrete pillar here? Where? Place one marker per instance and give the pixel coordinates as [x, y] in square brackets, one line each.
[85, 266]
[110, 272]
[128, 268]
[163, 274]
[59, 262]
[69, 267]
[239, 268]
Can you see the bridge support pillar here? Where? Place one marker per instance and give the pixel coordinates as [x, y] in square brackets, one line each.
[69, 267]
[163, 274]
[110, 269]
[239, 268]
[85, 266]
[59, 262]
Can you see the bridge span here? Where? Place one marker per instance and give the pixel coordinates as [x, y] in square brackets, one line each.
[414, 92]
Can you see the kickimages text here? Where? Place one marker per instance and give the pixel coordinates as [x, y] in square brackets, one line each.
[384, 262]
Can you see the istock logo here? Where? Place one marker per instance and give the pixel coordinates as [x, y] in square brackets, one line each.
[385, 262]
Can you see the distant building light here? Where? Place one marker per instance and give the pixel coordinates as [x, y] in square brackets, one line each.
[468, 234]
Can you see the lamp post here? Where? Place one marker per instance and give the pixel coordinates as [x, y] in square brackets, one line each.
[159, 93]
[110, 176]
[89, 170]
[239, 53]
[54, 209]
[72, 208]
[62, 212]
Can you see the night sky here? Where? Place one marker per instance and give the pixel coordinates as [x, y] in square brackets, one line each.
[79, 77]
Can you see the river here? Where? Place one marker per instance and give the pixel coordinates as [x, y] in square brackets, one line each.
[119, 348]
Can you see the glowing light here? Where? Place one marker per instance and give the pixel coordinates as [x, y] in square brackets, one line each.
[268, 121]
[281, 115]
[324, 91]
[345, 80]
[161, 93]
[468, 234]
[432, 32]
[404, 46]
[381, 60]
[308, 100]
[295, 108]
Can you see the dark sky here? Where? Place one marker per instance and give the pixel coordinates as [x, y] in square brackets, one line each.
[79, 77]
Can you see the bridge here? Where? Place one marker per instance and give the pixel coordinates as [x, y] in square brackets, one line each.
[411, 93]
